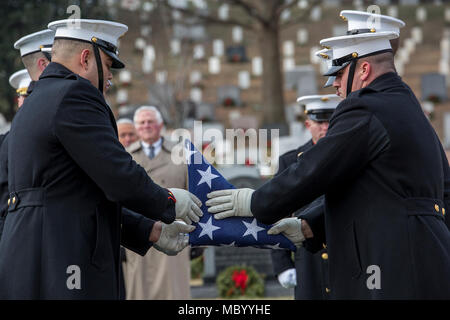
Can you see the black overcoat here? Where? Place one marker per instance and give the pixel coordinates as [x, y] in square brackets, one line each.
[386, 181]
[68, 177]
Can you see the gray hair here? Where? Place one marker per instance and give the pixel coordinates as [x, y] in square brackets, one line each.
[159, 117]
[124, 121]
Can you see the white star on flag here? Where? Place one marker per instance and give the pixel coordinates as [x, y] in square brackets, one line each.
[252, 228]
[207, 176]
[208, 228]
[188, 154]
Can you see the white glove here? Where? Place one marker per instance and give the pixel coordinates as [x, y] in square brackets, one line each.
[288, 278]
[173, 237]
[230, 203]
[187, 206]
[291, 228]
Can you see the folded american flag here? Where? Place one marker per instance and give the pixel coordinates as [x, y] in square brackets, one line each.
[233, 231]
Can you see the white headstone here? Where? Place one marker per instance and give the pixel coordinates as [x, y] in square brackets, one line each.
[316, 13]
[218, 48]
[200, 4]
[257, 66]
[224, 11]
[410, 45]
[131, 5]
[214, 65]
[199, 52]
[238, 34]
[288, 64]
[195, 77]
[421, 14]
[147, 65]
[302, 4]
[176, 15]
[196, 95]
[392, 11]
[447, 14]
[302, 36]
[244, 80]
[139, 44]
[445, 48]
[323, 66]
[161, 77]
[183, 4]
[399, 66]
[175, 46]
[146, 31]
[122, 96]
[417, 34]
[403, 55]
[285, 15]
[288, 48]
[149, 53]
[312, 55]
[148, 6]
[125, 77]
[444, 67]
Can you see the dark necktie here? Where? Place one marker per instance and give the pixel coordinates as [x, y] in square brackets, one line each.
[151, 155]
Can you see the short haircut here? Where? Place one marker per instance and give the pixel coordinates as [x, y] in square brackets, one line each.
[385, 61]
[30, 62]
[159, 117]
[63, 49]
[124, 121]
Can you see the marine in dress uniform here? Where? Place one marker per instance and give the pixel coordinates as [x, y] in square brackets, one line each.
[20, 81]
[308, 272]
[385, 178]
[35, 53]
[68, 179]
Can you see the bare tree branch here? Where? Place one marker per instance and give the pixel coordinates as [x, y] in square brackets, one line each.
[210, 18]
[298, 20]
[251, 10]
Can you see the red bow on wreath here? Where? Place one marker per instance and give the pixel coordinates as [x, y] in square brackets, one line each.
[240, 279]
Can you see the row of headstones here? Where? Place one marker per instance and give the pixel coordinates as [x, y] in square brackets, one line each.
[407, 49]
[444, 62]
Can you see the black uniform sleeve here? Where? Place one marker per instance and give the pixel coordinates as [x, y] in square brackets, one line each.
[446, 174]
[4, 193]
[281, 259]
[315, 216]
[136, 231]
[333, 161]
[84, 127]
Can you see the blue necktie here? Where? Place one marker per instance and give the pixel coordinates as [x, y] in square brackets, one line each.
[151, 155]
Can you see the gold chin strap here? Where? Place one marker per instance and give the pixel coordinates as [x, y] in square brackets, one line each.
[22, 91]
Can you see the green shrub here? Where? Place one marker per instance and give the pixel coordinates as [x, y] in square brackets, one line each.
[240, 281]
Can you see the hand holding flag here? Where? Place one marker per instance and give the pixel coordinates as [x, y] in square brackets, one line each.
[232, 231]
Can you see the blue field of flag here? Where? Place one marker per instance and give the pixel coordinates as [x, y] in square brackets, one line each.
[233, 231]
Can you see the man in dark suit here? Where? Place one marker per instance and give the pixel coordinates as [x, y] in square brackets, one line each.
[308, 272]
[69, 176]
[385, 178]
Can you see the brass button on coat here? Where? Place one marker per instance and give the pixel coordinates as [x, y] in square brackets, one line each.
[14, 200]
[443, 211]
[325, 256]
[327, 290]
[436, 207]
[9, 202]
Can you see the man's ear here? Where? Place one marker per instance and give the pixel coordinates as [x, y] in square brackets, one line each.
[307, 124]
[84, 59]
[365, 70]
[42, 63]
